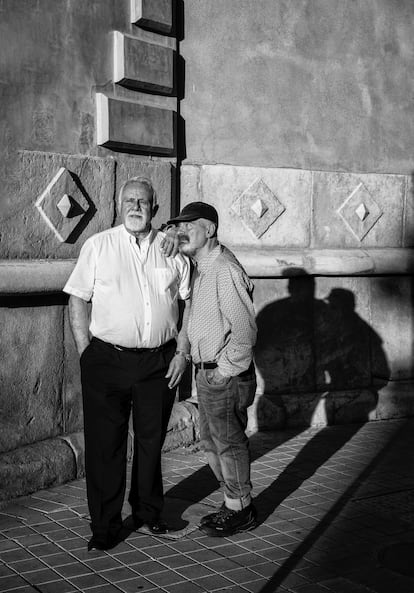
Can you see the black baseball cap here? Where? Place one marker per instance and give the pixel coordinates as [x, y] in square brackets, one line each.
[195, 210]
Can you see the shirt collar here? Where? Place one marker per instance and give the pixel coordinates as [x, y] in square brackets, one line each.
[144, 242]
[207, 261]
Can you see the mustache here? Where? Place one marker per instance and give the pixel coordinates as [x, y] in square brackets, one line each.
[183, 237]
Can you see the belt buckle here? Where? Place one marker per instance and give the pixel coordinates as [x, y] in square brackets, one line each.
[118, 348]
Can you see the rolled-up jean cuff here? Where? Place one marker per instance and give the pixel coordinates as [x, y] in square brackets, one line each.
[237, 504]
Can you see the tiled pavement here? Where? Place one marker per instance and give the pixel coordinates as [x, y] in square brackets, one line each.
[331, 503]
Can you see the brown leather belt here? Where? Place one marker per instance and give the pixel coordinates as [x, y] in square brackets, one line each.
[214, 365]
[205, 365]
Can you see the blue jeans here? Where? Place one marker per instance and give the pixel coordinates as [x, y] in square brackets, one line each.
[223, 421]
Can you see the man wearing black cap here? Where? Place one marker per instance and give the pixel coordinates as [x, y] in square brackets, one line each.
[221, 329]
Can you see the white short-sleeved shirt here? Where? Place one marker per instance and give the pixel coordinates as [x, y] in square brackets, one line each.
[134, 289]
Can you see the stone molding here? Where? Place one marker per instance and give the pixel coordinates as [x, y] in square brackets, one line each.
[270, 263]
[135, 127]
[156, 15]
[46, 276]
[141, 65]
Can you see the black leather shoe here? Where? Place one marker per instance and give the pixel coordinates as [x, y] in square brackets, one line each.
[107, 543]
[157, 526]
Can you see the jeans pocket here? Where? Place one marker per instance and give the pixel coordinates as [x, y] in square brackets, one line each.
[209, 374]
[247, 391]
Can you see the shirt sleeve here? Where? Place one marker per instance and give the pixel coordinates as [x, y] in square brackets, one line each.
[237, 308]
[82, 280]
[183, 264]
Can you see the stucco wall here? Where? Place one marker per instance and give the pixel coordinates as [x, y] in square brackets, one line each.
[310, 84]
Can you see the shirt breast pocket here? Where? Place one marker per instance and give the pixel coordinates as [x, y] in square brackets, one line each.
[166, 281]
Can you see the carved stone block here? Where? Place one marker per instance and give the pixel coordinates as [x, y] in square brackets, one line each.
[156, 15]
[257, 207]
[142, 65]
[63, 205]
[134, 127]
[357, 210]
[88, 181]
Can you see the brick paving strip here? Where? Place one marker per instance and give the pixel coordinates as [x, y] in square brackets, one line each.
[330, 501]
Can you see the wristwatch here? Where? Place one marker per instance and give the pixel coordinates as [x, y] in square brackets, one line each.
[186, 356]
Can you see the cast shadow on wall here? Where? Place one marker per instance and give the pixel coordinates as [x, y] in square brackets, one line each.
[319, 362]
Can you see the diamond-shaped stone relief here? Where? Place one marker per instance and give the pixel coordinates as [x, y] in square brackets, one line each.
[258, 207]
[360, 212]
[63, 204]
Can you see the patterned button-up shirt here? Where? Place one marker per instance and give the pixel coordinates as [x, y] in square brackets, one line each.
[221, 324]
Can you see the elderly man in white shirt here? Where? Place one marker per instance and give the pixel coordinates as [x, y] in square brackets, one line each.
[129, 358]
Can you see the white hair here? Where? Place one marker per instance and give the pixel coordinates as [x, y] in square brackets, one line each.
[140, 180]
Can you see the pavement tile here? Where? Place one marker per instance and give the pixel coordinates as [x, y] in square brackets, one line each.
[258, 586]
[44, 575]
[74, 543]
[177, 561]
[188, 587]
[134, 585]
[120, 573]
[48, 527]
[213, 582]
[241, 575]
[124, 558]
[11, 582]
[266, 569]
[107, 588]
[274, 553]
[27, 565]
[194, 570]
[6, 522]
[221, 565]
[17, 532]
[147, 568]
[72, 570]
[59, 559]
[7, 545]
[15, 554]
[32, 540]
[45, 549]
[58, 586]
[205, 554]
[341, 585]
[165, 577]
[5, 571]
[89, 580]
[256, 545]
[311, 588]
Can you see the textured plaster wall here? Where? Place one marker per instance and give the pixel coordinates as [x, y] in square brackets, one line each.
[309, 84]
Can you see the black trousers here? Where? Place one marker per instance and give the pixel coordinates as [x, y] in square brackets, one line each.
[113, 381]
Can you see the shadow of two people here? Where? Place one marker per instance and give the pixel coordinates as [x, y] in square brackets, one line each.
[321, 352]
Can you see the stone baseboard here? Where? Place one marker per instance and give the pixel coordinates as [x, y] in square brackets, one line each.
[61, 459]
[282, 411]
